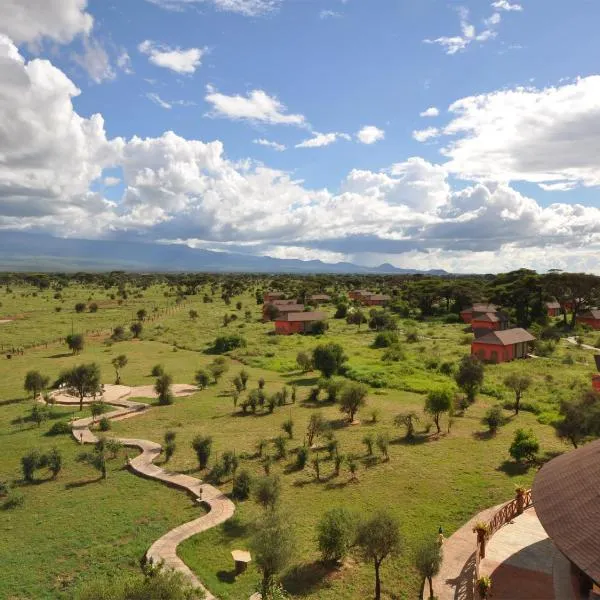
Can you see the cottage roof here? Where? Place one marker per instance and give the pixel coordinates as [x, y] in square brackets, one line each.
[379, 297]
[362, 292]
[303, 316]
[593, 313]
[554, 304]
[287, 308]
[274, 294]
[481, 307]
[566, 496]
[320, 297]
[508, 337]
[283, 302]
[488, 318]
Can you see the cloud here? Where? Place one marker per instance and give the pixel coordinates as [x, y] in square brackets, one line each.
[124, 62]
[329, 14]
[430, 112]
[323, 139]
[50, 154]
[458, 43]
[257, 106]
[270, 144]
[31, 21]
[95, 61]
[506, 5]
[110, 181]
[249, 8]
[547, 135]
[158, 100]
[422, 135]
[176, 59]
[370, 134]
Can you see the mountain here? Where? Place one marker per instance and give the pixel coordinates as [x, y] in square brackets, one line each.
[36, 252]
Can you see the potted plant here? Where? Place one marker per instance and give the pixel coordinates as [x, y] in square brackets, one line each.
[482, 530]
[484, 585]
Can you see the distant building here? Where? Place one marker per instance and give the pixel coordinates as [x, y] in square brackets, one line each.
[502, 346]
[477, 309]
[590, 317]
[596, 382]
[377, 300]
[269, 296]
[566, 497]
[320, 298]
[554, 308]
[482, 324]
[282, 309]
[297, 322]
[359, 295]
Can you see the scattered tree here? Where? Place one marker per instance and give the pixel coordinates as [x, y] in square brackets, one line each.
[525, 446]
[202, 446]
[242, 486]
[288, 427]
[162, 387]
[437, 403]
[218, 367]
[80, 307]
[428, 560]
[383, 443]
[329, 359]
[519, 385]
[169, 445]
[493, 418]
[119, 362]
[304, 361]
[136, 329]
[469, 376]
[267, 491]
[75, 342]
[408, 420]
[82, 381]
[35, 383]
[336, 532]
[202, 379]
[353, 398]
[316, 426]
[369, 441]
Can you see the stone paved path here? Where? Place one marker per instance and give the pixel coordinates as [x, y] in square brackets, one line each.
[220, 508]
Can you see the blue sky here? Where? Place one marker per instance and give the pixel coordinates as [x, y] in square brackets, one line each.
[507, 152]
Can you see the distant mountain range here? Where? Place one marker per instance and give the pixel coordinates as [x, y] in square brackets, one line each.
[36, 252]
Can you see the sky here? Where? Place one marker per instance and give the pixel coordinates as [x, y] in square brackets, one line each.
[462, 135]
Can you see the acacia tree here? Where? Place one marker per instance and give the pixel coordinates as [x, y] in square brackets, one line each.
[353, 397]
[329, 359]
[75, 342]
[162, 387]
[469, 376]
[580, 418]
[428, 560]
[316, 426]
[408, 420]
[82, 381]
[378, 538]
[437, 403]
[202, 379]
[119, 362]
[519, 385]
[272, 548]
[35, 383]
[336, 532]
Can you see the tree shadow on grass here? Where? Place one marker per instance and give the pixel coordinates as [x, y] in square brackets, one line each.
[306, 578]
[370, 461]
[483, 436]
[226, 576]
[513, 469]
[12, 401]
[62, 355]
[416, 440]
[303, 381]
[234, 528]
[77, 484]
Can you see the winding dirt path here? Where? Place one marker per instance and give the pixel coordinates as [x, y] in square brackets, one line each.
[220, 508]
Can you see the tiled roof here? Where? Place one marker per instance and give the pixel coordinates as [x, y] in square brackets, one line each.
[594, 313]
[566, 496]
[379, 297]
[303, 316]
[508, 337]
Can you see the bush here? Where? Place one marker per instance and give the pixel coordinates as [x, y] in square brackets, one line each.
[494, 418]
[29, 463]
[301, 458]
[93, 307]
[267, 491]
[60, 428]
[447, 368]
[226, 343]
[336, 532]
[80, 307]
[412, 336]
[202, 447]
[524, 446]
[14, 499]
[104, 424]
[452, 318]
[319, 327]
[341, 311]
[431, 364]
[394, 353]
[242, 486]
[385, 339]
[157, 371]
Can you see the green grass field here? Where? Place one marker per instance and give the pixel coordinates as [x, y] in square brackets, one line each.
[78, 528]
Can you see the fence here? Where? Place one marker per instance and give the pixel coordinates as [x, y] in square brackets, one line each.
[503, 515]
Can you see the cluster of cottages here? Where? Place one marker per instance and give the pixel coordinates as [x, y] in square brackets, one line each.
[369, 298]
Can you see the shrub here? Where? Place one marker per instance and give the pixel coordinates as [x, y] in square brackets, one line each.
[369, 440]
[493, 418]
[524, 446]
[104, 424]
[336, 532]
[385, 339]
[93, 307]
[447, 368]
[118, 334]
[452, 318]
[157, 371]
[226, 343]
[341, 311]
[80, 307]
[60, 428]
[383, 443]
[301, 458]
[242, 486]
[53, 460]
[431, 364]
[29, 463]
[352, 399]
[14, 499]
[319, 327]
[202, 447]
[288, 427]
[329, 358]
[162, 387]
[267, 491]
[394, 353]
[281, 446]
[304, 361]
[412, 336]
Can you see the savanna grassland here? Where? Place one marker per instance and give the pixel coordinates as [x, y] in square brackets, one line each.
[77, 527]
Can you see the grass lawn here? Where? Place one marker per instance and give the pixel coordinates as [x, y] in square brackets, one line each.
[77, 528]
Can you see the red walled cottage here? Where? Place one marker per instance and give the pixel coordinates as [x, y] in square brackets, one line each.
[300, 322]
[596, 382]
[554, 309]
[377, 300]
[477, 309]
[590, 317]
[359, 294]
[284, 308]
[268, 296]
[502, 346]
[318, 298]
[482, 324]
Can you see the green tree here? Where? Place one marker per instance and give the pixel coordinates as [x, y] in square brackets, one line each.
[96, 458]
[202, 379]
[272, 548]
[316, 426]
[169, 445]
[304, 361]
[218, 367]
[353, 398]
[437, 403]
[369, 441]
[242, 486]
[580, 418]
[82, 381]
[336, 532]
[519, 384]
[428, 560]
[136, 329]
[80, 307]
[119, 362]
[378, 538]
[39, 414]
[524, 446]
[202, 446]
[29, 463]
[408, 420]
[35, 383]
[267, 491]
[493, 418]
[244, 376]
[288, 427]
[162, 387]
[75, 342]
[53, 460]
[141, 314]
[329, 359]
[383, 443]
[469, 376]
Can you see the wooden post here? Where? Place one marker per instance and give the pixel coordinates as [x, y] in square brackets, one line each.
[520, 498]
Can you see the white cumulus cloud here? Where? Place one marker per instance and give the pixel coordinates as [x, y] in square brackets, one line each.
[370, 134]
[249, 8]
[176, 59]
[506, 5]
[432, 111]
[422, 135]
[270, 144]
[95, 60]
[322, 139]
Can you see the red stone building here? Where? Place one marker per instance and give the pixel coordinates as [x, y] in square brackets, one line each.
[477, 309]
[590, 317]
[297, 322]
[502, 346]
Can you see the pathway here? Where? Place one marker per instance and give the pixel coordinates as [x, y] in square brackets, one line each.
[220, 508]
[573, 340]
